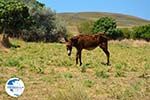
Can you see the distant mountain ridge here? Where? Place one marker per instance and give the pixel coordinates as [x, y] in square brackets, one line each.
[122, 19]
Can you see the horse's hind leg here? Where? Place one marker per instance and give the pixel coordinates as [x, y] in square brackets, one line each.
[104, 47]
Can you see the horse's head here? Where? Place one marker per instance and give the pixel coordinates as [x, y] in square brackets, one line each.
[68, 46]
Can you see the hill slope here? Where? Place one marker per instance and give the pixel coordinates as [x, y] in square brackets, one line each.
[73, 19]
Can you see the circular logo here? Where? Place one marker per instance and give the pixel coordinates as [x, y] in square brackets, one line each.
[14, 87]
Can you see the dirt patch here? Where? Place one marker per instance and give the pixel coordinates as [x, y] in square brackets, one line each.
[135, 43]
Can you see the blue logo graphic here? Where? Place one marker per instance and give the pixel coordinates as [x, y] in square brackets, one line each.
[14, 87]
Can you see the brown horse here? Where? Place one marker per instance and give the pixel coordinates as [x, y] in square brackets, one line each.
[88, 42]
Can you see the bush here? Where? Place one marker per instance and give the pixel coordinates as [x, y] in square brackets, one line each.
[108, 26]
[44, 34]
[46, 26]
[34, 34]
[141, 32]
[104, 24]
[146, 36]
[115, 34]
[126, 32]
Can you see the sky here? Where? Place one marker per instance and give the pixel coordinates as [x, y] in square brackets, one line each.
[139, 8]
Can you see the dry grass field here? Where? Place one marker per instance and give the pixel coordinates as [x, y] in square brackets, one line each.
[49, 74]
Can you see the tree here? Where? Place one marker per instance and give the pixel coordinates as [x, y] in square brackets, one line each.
[12, 17]
[104, 24]
[108, 26]
[46, 25]
[29, 20]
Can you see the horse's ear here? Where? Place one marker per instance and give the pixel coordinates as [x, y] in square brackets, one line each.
[74, 40]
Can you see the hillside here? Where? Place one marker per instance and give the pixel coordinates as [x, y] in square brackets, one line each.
[73, 19]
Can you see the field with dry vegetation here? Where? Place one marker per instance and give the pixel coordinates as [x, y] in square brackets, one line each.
[49, 74]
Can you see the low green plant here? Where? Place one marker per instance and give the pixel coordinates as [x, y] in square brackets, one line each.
[119, 73]
[12, 62]
[37, 69]
[84, 67]
[147, 66]
[88, 83]
[67, 75]
[118, 66]
[102, 74]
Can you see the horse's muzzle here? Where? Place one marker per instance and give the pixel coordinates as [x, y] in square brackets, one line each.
[69, 52]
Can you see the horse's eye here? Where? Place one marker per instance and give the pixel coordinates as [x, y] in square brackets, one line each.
[68, 46]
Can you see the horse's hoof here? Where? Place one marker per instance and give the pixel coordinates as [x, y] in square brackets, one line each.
[108, 64]
[80, 64]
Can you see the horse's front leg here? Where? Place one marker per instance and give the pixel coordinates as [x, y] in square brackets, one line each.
[108, 55]
[80, 58]
[77, 56]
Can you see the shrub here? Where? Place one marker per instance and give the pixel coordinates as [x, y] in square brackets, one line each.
[115, 34]
[46, 27]
[104, 24]
[126, 32]
[146, 36]
[108, 26]
[141, 32]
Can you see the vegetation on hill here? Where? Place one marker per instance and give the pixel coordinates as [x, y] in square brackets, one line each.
[74, 19]
[108, 26]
